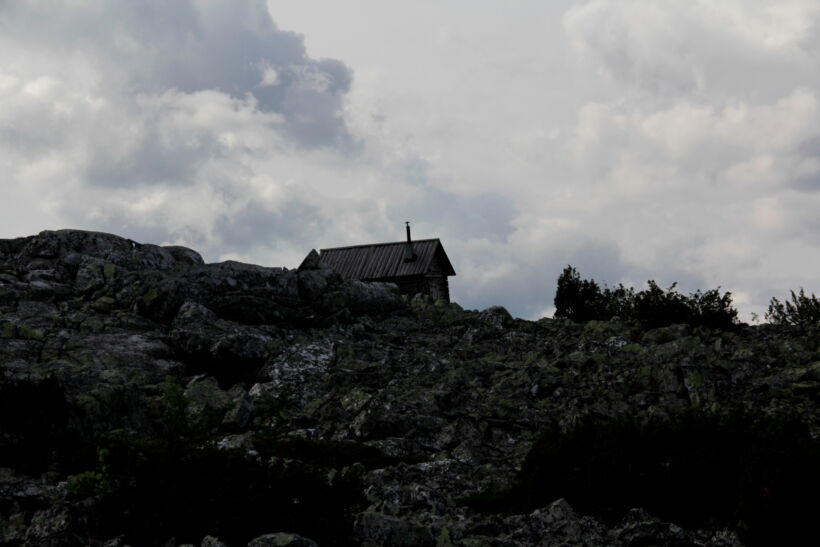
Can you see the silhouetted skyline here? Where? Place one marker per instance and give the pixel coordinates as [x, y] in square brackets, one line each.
[633, 140]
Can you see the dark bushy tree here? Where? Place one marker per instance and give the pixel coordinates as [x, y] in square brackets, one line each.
[713, 309]
[801, 311]
[577, 299]
[656, 307]
[583, 300]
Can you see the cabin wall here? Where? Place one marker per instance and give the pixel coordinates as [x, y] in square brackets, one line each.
[410, 285]
[436, 286]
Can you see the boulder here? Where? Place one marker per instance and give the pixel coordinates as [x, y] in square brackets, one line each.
[371, 298]
[377, 529]
[496, 316]
[282, 539]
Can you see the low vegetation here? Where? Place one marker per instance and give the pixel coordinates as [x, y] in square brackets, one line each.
[584, 300]
[332, 418]
[803, 310]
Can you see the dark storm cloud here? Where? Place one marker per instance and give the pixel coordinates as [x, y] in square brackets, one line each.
[231, 47]
[150, 160]
[480, 216]
[255, 225]
[809, 152]
[808, 183]
[486, 215]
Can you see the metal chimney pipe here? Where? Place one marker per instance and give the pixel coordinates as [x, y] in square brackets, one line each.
[409, 254]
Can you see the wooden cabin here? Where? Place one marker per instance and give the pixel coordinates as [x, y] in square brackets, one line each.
[415, 266]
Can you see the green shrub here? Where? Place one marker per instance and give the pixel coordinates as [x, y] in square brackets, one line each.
[656, 307]
[578, 299]
[713, 309]
[583, 300]
[91, 483]
[85, 484]
[174, 416]
[801, 311]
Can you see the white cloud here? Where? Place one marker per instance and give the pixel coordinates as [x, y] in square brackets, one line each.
[635, 140]
[699, 48]
[269, 76]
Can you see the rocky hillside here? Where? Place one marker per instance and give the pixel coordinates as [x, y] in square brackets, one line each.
[149, 398]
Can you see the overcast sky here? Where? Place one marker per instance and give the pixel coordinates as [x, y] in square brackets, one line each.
[635, 140]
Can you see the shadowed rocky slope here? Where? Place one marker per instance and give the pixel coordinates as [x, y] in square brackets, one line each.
[149, 398]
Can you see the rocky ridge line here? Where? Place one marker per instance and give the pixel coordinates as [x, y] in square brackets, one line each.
[99, 334]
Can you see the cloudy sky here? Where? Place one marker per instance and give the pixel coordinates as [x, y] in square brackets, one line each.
[675, 141]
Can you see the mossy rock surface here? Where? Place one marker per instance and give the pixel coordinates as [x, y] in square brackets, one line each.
[257, 386]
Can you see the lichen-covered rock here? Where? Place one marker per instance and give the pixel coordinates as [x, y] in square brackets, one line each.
[314, 282]
[371, 298]
[378, 529]
[240, 407]
[282, 539]
[639, 528]
[409, 407]
[497, 316]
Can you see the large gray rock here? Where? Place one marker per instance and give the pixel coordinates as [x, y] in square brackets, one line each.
[55, 247]
[369, 298]
[377, 529]
[282, 539]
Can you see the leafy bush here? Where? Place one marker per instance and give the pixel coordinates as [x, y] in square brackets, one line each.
[578, 299]
[90, 483]
[712, 309]
[85, 484]
[801, 311]
[656, 307]
[174, 416]
[583, 300]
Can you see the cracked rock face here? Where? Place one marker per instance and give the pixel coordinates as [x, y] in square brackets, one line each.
[396, 410]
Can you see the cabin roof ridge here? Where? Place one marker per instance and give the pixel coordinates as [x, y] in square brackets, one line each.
[380, 244]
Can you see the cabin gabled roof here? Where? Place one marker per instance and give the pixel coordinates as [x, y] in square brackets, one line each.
[386, 260]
